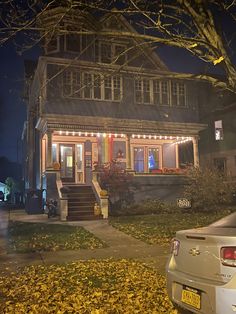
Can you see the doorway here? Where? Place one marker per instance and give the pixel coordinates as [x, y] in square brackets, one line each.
[67, 162]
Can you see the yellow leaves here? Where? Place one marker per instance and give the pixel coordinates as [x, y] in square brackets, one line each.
[192, 46]
[219, 60]
[115, 287]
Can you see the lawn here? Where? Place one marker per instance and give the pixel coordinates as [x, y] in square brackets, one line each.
[95, 287]
[160, 228]
[30, 237]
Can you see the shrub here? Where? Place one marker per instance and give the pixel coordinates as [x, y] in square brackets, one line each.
[147, 207]
[208, 188]
[117, 182]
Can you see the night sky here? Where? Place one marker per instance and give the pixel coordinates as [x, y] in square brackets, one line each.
[12, 106]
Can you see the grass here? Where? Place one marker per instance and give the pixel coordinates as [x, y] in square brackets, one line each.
[26, 237]
[95, 287]
[160, 228]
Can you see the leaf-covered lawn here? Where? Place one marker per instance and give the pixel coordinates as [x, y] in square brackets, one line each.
[31, 237]
[160, 228]
[96, 287]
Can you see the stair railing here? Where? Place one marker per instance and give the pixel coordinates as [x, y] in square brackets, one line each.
[102, 200]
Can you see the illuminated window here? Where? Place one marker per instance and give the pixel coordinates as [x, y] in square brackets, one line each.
[218, 130]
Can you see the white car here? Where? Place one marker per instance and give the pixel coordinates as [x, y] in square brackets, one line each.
[201, 271]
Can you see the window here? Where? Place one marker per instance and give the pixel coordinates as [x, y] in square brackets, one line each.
[52, 44]
[117, 87]
[146, 91]
[138, 91]
[153, 159]
[89, 85]
[220, 164]
[107, 52]
[139, 159]
[177, 94]
[78, 42]
[218, 130]
[108, 88]
[72, 84]
[73, 42]
[156, 92]
[164, 93]
[97, 86]
[142, 91]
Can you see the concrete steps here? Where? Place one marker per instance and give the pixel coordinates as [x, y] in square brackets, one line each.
[81, 201]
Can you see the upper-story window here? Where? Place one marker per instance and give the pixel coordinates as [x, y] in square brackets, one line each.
[107, 52]
[219, 130]
[142, 91]
[178, 94]
[76, 42]
[87, 85]
[52, 44]
[149, 91]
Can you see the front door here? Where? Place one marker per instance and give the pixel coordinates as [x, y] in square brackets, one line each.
[67, 161]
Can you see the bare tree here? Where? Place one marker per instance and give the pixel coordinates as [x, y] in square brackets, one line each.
[205, 28]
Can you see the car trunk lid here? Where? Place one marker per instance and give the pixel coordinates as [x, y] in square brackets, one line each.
[199, 253]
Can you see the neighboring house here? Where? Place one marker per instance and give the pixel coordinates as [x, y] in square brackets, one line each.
[4, 191]
[93, 99]
[218, 140]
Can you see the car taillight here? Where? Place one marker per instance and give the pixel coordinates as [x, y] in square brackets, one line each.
[175, 247]
[228, 256]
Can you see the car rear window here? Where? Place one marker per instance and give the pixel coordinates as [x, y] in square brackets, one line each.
[226, 222]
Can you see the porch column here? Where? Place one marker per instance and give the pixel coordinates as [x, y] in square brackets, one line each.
[128, 152]
[195, 152]
[49, 149]
[176, 155]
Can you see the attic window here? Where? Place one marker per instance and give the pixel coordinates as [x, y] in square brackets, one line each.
[111, 53]
[52, 44]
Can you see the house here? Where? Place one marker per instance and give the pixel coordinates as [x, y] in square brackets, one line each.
[93, 99]
[218, 146]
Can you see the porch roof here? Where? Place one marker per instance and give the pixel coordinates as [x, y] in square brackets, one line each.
[120, 110]
[114, 125]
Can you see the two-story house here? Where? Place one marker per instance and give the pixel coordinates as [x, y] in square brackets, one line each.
[95, 98]
[218, 146]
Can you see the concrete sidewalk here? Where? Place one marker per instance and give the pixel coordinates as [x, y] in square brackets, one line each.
[119, 244]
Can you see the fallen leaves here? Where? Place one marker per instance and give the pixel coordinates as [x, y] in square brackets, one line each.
[160, 228]
[31, 237]
[98, 287]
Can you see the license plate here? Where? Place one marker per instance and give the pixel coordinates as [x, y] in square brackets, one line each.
[191, 297]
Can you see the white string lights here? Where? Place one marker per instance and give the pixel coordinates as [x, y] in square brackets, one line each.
[172, 138]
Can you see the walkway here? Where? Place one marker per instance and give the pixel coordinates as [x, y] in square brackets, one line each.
[119, 244]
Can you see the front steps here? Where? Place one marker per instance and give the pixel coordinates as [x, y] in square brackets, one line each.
[81, 201]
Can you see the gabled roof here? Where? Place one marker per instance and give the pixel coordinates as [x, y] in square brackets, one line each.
[121, 24]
